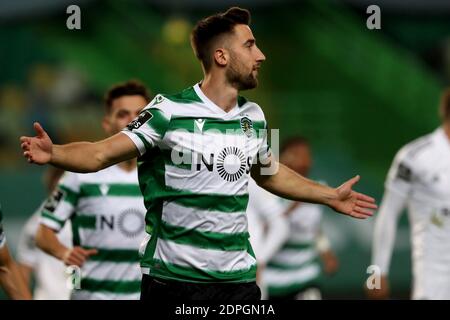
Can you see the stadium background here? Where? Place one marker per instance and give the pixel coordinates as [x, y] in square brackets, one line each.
[357, 94]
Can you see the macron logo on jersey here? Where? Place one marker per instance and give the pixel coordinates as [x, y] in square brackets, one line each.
[199, 123]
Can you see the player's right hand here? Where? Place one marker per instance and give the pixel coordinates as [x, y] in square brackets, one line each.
[77, 256]
[379, 294]
[37, 149]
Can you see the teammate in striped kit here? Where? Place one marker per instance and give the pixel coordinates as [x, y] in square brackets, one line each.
[196, 152]
[295, 271]
[106, 210]
[419, 180]
[10, 277]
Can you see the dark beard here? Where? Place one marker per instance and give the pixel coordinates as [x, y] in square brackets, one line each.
[240, 81]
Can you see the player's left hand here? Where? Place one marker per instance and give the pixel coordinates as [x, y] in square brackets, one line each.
[352, 203]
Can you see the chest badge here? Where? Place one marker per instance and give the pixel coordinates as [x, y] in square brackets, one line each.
[247, 126]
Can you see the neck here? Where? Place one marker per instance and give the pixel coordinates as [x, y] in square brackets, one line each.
[446, 127]
[128, 165]
[219, 91]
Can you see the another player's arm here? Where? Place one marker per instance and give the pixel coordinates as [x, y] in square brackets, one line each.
[399, 184]
[78, 156]
[329, 259]
[286, 183]
[385, 230]
[10, 277]
[47, 240]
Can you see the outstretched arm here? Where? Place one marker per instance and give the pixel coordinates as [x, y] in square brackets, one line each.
[288, 184]
[78, 156]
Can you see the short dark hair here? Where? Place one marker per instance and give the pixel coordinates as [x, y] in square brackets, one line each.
[292, 142]
[209, 29]
[445, 105]
[129, 88]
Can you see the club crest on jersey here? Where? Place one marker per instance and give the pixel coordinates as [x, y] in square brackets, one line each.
[247, 126]
[158, 99]
[140, 120]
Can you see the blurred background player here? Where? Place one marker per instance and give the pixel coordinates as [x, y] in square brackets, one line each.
[267, 225]
[106, 210]
[10, 277]
[47, 271]
[419, 179]
[295, 271]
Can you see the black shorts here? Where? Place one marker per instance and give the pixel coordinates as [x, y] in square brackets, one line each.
[159, 289]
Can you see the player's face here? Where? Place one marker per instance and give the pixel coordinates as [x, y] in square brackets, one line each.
[245, 59]
[123, 111]
[298, 158]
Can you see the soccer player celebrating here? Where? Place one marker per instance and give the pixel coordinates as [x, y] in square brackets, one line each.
[196, 151]
[107, 212]
[10, 277]
[419, 179]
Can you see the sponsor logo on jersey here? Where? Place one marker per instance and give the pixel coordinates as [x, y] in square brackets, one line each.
[140, 120]
[231, 164]
[129, 223]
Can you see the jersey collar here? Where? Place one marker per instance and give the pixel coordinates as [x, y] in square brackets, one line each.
[211, 104]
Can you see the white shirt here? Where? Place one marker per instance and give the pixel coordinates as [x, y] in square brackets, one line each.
[50, 277]
[267, 225]
[419, 179]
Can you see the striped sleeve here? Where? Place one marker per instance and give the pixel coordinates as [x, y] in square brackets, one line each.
[148, 129]
[60, 205]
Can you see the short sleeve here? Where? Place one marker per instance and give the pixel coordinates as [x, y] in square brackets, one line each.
[148, 129]
[60, 205]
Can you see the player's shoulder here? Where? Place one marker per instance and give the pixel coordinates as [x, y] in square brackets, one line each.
[176, 103]
[418, 149]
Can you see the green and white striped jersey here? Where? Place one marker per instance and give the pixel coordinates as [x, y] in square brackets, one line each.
[296, 265]
[2, 233]
[193, 172]
[107, 213]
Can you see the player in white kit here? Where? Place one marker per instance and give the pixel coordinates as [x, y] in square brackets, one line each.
[268, 227]
[419, 180]
[48, 272]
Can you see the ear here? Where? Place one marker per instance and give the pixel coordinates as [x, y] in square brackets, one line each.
[221, 57]
[105, 124]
